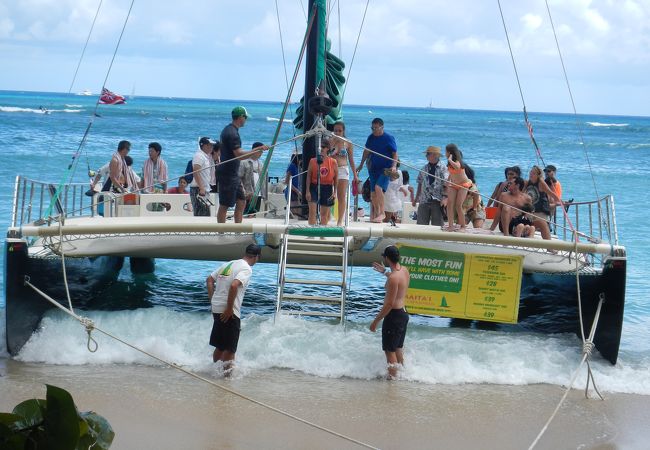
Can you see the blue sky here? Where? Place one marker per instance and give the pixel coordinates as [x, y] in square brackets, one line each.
[411, 53]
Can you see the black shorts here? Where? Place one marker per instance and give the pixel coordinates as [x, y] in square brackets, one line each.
[393, 330]
[225, 336]
[230, 190]
[325, 199]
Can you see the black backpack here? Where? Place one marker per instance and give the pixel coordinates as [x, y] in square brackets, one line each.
[365, 190]
[188, 172]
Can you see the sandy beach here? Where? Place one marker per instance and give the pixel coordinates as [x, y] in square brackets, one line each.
[161, 408]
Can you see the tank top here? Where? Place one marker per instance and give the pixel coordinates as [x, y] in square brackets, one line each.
[539, 198]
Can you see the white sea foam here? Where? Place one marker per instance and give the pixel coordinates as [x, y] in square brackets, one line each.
[598, 124]
[275, 119]
[433, 355]
[72, 106]
[11, 109]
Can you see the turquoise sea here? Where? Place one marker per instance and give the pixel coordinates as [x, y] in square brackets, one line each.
[172, 316]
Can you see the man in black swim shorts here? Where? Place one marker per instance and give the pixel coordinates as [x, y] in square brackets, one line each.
[392, 312]
[226, 288]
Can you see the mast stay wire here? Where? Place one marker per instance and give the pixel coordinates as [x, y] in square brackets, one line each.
[75, 157]
[354, 53]
[286, 74]
[528, 124]
[83, 52]
[521, 92]
[287, 102]
[74, 77]
[575, 112]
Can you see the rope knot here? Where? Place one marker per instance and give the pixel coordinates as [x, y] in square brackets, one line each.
[88, 323]
[587, 348]
[90, 326]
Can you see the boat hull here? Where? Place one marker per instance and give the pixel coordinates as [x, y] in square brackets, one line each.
[548, 300]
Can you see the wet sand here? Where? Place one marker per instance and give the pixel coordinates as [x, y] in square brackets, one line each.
[161, 408]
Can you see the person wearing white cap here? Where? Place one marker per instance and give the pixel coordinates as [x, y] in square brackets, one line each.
[230, 187]
[200, 186]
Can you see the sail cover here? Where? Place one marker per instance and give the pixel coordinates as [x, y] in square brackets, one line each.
[334, 81]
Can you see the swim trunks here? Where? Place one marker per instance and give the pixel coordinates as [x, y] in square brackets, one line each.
[393, 330]
[225, 336]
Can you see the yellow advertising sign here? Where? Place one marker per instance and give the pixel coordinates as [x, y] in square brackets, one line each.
[463, 285]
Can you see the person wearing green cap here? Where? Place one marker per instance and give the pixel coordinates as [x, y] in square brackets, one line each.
[230, 187]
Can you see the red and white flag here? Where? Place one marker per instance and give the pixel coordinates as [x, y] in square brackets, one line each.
[110, 98]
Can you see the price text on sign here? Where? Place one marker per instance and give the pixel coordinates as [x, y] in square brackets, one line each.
[463, 285]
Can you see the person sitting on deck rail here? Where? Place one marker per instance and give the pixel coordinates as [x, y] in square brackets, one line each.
[502, 186]
[540, 195]
[181, 188]
[509, 205]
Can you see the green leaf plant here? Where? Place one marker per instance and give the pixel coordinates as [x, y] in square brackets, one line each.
[53, 423]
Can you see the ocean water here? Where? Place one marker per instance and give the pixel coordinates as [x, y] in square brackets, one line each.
[174, 320]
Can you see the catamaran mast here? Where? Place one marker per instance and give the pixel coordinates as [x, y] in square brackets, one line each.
[314, 73]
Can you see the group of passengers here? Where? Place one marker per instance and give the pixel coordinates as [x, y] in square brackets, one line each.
[234, 181]
[523, 206]
[443, 189]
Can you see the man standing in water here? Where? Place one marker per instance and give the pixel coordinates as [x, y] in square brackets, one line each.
[393, 313]
[226, 288]
[230, 187]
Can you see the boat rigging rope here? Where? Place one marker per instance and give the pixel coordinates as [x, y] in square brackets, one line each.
[90, 326]
[529, 125]
[287, 102]
[587, 348]
[575, 112]
[521, 92]
[286, 75]
[354, 53]
[75, 157]
[83, 52]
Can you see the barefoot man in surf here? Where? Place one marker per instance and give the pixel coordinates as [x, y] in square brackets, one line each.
[226, 288]
[393, 313]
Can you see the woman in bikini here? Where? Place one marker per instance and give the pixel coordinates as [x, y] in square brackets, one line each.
[458, 184]
[342, 153]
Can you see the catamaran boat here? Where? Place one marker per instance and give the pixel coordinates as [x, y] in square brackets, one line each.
[532, 284]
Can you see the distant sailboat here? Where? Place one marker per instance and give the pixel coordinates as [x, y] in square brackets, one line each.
[85, 92]
[132, 95]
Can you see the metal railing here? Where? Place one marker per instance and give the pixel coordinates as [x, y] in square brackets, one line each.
[32, 200]
[594, 220]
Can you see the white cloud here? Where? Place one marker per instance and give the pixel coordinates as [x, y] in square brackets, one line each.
[531, 21]
[596, 21]
[171, 32]
[467, 45]
[6, 28]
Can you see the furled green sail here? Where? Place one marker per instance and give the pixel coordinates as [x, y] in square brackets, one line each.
[334, 82]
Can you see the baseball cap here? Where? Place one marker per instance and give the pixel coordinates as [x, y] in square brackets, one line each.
[253, 250]
[391, 252]
[433, 149]
[206, 140]
[550, 168]
[239, 111]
